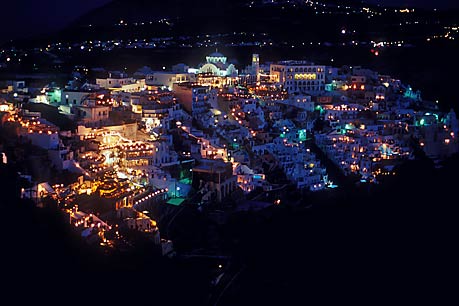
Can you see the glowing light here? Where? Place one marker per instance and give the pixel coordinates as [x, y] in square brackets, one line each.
[305, 76]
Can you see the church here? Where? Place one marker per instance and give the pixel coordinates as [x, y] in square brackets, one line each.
[216, 71]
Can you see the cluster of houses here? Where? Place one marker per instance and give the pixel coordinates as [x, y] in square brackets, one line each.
[374, 122]
[210, 135]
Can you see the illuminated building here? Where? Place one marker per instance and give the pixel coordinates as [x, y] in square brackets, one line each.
[299, 76]
[119, 81]
[358, 82]
[216, 64]
[256, 66]
[48, 95]
[92, 115]
[299, 164]
[301, 101]
[212, 151]
[74, 97]
[216, 71]
[438, 140]
[37, 192]
[41, 135]
[156, 109]
[247, 180]
[215, 178]
[127, 130]
[251, 74]
[168, 78]
[140, 155]
[195, 99]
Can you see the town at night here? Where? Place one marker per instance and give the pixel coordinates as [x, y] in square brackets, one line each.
[219, 152]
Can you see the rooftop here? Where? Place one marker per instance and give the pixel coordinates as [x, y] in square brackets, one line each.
[176, 201]
[216, 54]
[216, 166]
[295, 63]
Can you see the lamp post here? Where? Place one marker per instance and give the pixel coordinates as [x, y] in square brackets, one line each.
[177, 190]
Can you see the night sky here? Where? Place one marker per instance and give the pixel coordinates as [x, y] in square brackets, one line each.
[444, 4]
[28, 18]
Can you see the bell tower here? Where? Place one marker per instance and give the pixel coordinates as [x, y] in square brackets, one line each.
[256, 65]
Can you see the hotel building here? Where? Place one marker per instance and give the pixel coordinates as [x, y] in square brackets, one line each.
[299, 76]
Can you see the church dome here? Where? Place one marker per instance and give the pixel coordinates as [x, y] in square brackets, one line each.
[216, 54]
[216, 57]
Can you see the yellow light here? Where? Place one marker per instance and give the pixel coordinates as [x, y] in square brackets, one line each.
[305, 76]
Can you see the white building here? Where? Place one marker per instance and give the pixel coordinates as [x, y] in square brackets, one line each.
[93, 115]
[301, 101]
[299, 76]
[216, 64]
[120, 81]
[195, 99]
[167, 78]
[74, 97]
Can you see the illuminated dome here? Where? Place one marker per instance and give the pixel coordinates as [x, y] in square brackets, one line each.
[216, 64]
[217, 54]
[216, 57]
